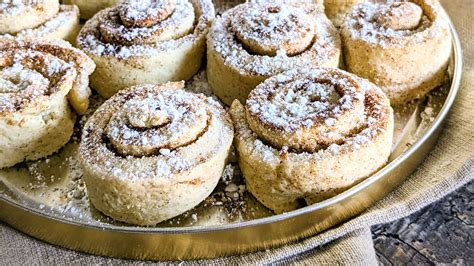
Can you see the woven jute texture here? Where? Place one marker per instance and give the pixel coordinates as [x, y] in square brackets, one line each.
[447, 168]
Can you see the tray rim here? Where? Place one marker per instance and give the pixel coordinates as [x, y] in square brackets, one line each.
[453, 91]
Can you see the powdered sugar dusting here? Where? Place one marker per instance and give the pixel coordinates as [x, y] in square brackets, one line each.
[30, 76]
[308, 111]
[377, 24]
[159, 130]
[323, 48]
[108, 34]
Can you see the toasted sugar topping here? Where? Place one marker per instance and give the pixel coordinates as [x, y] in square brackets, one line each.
[392, 24]
[324, 43]
[188, 22]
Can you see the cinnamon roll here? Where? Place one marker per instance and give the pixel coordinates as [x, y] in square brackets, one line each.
[336, 10]
[149, 41]
[256, 40]
[36, 80]
[310, 134]
[89, 8]
[39, 19]
[403, 46]
[152, 152]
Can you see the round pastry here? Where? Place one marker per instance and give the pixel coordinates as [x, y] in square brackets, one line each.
[150, 41]
[36, 79]
[336, 10]
[256, 40]
[39, 19]
[403, 47]
[310, 134]
[152, 152]
[89, 8]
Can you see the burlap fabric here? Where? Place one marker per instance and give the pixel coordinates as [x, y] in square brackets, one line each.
[447, 168]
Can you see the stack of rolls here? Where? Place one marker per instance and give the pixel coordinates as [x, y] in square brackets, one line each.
[37, 77]
[150, 41]
[310, 134]
[304, 129]
[152, 152]
[402, 46]
[39, 19]
[256, 40]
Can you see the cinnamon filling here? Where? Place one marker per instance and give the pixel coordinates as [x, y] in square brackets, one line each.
[307, 113]
[26, 76]
[146, 22]
[269, 29]
[399, 16]
[148, 123]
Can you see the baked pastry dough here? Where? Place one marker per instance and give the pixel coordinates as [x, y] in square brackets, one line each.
[256, 40]
[140, 42]
[336, 10]
[89, 8]
[310, 134]
[39, 18]
[403, 47]
[36, 79]
[152, 152]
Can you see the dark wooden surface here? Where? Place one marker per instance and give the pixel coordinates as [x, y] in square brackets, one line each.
[440, 233]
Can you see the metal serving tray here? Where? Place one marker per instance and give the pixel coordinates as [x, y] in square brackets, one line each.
[48, 200]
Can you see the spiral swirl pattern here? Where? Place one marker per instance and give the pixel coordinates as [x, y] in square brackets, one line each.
[402, 46]
[155, 136]
[256, 40]
[36, 79]
[152, 41]
[39, 18]
[307, 134]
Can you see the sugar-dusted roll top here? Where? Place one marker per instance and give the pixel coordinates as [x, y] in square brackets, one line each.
[265, 38]
[39, 19]
[309, 110]
[149, 122]
[259, 39]
[33, 70]
[152, 152]
[16, 16]
[142, 42]
[136, 28]
[158, 129]
[310, 134]
[402, 46]
[396, 23]
[146, 22]
[270, 28]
